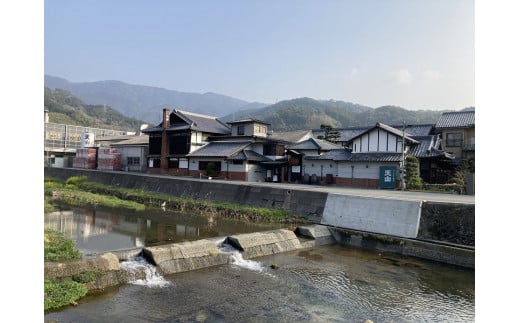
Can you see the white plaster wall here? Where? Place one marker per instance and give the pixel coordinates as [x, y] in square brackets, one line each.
[255, 173]
[372, 140]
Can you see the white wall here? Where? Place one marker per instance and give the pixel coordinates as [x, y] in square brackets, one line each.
[377, 141]
[255, 173]
[361, 170]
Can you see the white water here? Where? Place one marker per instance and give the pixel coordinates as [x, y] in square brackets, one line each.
[137, 266]
[235, 258]
[152, 277]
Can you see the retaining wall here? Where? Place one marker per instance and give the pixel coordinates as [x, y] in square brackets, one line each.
[446, 222]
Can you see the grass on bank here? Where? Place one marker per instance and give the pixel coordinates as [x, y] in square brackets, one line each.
[60, 293]
[77, 190]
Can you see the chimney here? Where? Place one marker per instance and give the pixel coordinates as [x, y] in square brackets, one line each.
[166, 118]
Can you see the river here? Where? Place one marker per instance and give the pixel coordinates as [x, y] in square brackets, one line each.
[324, 284]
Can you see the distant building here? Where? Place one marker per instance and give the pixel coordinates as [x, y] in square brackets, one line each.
[457, 130]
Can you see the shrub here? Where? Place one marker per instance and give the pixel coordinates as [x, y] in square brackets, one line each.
[59, 294]
[413, 179]
[58, 248]
[75, 180]
[86, 276]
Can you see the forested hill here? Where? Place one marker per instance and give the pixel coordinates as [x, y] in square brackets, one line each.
[307, 113]
[67, 109]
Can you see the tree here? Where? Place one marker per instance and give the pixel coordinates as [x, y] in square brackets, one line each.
[331, 134]
[412, 176]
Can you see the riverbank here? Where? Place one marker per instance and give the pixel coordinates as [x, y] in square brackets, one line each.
[444, 218]
[78, 191]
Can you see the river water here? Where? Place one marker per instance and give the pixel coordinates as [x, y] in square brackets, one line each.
[324, 284]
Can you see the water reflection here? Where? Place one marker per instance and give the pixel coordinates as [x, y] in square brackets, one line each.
[96, 231]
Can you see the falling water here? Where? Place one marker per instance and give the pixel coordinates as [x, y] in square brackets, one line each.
[235, 258]
[141, 272]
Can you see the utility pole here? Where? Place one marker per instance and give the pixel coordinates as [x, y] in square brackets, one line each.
[403, 184]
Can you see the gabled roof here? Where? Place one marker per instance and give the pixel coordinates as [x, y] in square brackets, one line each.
[346, 154]
[291, 136]
[133, 141]
[345, 134]
[249, 155]
[314, 144]
[204, 123]
[248, 120]
[428, 147]
[220, 149]
[386, 128]
[416, 130]
[462, 119]
[194, 121]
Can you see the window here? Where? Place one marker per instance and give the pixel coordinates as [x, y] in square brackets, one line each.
[155, 145]
[274, 150]
[154, 163]
[260, 129]
[203, 165]
[240, 130]
[173, 163]
[454, 139]
[133, 161]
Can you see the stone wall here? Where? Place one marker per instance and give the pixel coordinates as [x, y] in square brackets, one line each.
[453, 223]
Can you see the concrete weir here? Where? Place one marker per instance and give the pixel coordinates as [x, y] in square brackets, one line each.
[192, 255]
[186, 256]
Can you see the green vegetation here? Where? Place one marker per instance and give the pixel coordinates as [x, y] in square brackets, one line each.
[58, 248]
[331, 134]
[211, 170]
[413, 178]
[65, 108]
[307, 113]
[72, 193]
[78, 191]
[61, 293]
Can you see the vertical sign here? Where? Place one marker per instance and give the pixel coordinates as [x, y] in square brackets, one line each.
[387, 176]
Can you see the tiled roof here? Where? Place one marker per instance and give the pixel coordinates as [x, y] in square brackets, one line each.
[194, 121]
[134, 140]
[204, 123]
[347, 155]
[220, 149]
[248, 120]
[249, 155]
[387, 128]
[314, 144]
[290, 136]
[428, 147]
[463, 119]
[417, 130]
[344, 134]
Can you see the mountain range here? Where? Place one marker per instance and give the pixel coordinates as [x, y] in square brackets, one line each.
[146, 103]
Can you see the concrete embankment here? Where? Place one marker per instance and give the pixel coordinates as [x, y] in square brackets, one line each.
[416, 219]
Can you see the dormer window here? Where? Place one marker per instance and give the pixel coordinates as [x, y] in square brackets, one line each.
[240, 130]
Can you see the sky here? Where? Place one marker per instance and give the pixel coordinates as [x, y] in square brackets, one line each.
[417, 54]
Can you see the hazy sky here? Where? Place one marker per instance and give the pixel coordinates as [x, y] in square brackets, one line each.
[417, 54]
